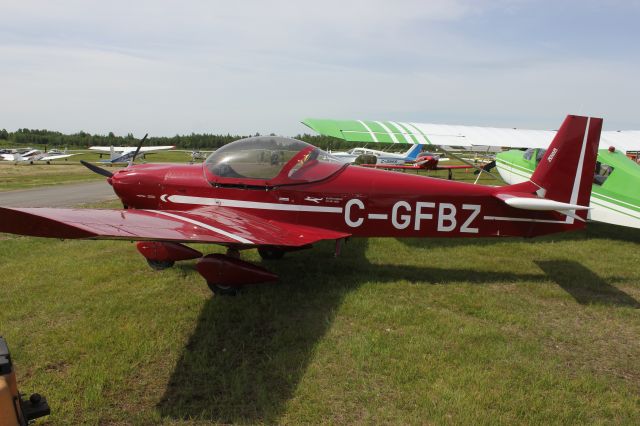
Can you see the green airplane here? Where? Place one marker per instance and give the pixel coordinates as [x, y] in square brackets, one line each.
[615, 194]
[615, 197]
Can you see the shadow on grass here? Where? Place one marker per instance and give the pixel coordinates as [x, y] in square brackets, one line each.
[594, 230]
[248, 353]
[584, 285]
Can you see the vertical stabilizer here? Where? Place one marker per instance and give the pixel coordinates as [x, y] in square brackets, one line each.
[565, 173]
[413, 152]
[563, 179]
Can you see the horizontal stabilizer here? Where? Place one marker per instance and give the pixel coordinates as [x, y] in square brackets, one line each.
[540, 204]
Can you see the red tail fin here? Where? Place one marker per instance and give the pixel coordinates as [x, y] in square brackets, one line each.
[565, 173]
[563, 179]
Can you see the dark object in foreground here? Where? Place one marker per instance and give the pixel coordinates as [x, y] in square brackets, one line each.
[14, 409]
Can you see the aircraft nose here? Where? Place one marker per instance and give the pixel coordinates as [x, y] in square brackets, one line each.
[138, 187]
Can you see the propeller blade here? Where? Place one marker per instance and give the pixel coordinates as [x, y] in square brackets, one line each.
[135, 154]
[96, 169]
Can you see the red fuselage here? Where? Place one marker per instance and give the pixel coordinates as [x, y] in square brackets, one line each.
[360, 201]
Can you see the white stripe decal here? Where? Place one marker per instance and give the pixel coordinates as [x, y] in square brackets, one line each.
[204, 201]
[613, 200]
[400, 132]
[576, 182]
[420, 132]
[389, 132]
[578, 178]
[380, 216]
[522, 219]
[203, 225]
[611, 206]
[418, 136]
[373, 135]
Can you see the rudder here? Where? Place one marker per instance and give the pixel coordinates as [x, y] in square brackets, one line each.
[565, 172]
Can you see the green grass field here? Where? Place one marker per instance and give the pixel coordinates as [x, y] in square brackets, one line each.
[393, 331]
[25, 176]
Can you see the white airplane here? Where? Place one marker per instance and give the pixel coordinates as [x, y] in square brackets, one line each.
[32, 155]
[382, 157]
[122, 154]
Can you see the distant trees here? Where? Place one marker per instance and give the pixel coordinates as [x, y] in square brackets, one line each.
[82, 139]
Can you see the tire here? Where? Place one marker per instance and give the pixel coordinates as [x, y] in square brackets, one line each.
[159, 265]
[223, 290]
[270, 253]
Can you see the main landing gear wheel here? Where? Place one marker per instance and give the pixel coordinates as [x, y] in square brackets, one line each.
[159, 265]
[271, 253]
[223, 290]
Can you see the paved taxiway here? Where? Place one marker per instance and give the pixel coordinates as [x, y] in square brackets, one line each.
[59, 195]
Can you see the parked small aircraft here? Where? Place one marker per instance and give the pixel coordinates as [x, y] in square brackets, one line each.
[423, 162]
[278, 194]
[122, 154]
[34, 155]
[615, 195]
[382, 157]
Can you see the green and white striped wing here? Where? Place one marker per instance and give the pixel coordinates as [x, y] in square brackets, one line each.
[368, 131]
[429, 134]
[473, 137]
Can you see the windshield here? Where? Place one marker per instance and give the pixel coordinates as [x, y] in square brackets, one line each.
[269, 160]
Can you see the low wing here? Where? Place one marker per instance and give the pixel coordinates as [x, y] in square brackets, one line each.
[206, 225]
[55, 157]
[456, 167]
[473, 137]
[415, 167]
[126, 149]
[155, 148]
[394, 166]
[108, 148]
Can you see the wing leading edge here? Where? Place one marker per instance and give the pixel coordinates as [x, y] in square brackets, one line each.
[219, 225]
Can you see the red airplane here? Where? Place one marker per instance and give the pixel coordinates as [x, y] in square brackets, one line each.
[278, 194]
[423, 162]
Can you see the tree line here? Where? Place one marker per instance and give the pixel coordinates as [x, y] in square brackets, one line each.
[194, 141]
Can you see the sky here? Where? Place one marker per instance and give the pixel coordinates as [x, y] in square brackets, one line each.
[177, 67]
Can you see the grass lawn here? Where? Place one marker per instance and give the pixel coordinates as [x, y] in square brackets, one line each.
[25, 176]
[434, 331]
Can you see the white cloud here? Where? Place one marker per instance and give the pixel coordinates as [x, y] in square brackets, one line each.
[209, 66]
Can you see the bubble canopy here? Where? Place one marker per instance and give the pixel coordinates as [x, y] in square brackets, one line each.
[269, 161]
